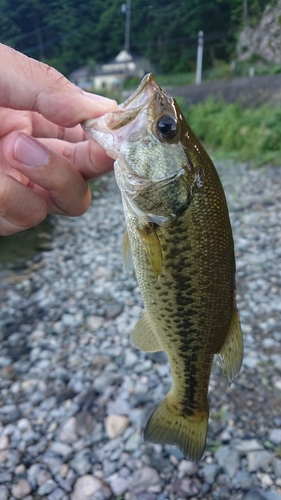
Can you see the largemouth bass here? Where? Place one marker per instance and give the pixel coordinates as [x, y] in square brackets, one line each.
[180, 239]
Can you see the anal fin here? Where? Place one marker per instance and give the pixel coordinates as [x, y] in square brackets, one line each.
[143, 336]
[231, 354]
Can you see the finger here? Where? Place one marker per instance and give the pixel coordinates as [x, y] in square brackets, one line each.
[20, 207]
[52, 175]
[89, 157]
[38, 87]
[44, 128]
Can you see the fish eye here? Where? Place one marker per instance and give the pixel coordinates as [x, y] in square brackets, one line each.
[166, 127]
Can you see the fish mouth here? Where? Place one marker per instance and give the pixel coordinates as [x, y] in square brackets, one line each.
[110, 129]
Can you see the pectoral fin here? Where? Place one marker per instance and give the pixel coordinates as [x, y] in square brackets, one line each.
[231, 354]
[143, 336]
[153, 249]
[127, 253]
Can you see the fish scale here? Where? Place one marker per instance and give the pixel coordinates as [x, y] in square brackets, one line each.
[180, 238]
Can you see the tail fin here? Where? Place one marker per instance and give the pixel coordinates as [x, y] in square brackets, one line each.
[167, 426]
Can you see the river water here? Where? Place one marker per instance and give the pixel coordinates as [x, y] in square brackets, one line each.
[16, 250]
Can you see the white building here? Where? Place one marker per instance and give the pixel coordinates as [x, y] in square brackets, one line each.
[113, 73]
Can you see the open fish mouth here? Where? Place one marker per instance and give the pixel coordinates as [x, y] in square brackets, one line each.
[110, 129]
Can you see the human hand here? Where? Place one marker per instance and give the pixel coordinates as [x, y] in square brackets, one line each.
[45, 157]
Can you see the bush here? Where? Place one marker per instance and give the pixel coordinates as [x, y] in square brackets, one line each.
[247, 134]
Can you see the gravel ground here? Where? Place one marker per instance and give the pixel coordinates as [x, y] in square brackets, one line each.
[75, 395]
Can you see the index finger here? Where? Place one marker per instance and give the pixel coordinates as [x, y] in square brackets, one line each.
[38, 87]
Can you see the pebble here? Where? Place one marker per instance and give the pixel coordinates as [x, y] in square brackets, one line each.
[118, 484]
[275, 436]
[75, 395]
[62, 449]
[187, 467]
[115, 425]
[94, 323]
[229, 460]
[47, 487]
[259, 460]
[4, 492]
[4, 442]
[142, 479]
[85, 487]
[21, 489]
[68, 431]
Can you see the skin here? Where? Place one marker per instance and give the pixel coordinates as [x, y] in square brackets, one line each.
[45, 157]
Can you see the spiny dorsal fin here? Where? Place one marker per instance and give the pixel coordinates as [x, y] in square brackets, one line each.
[231, 354]
[127, 253]
[153, 248]
[143, 336]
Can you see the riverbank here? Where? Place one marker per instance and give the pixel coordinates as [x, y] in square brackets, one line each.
[75, 396]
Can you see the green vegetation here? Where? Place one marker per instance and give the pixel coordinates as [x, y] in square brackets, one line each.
[245, 134]
[68, 34]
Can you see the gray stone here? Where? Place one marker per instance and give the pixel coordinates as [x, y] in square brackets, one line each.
[21, 489]
[97, 434]
[210, 472]
[259, 460]
[242, 480]
[142, 479]
[277, 467]
[244, 446]
[118, 407]
[61, 449]
[41, 476]
[5, 477]
[118, 484]
[68, 431]
[85, 487]
[275, 436]
[4, 493]
[133, 442]
[250, 361]
[94, 323]
[103, 381]
[229, 460]
[56, 494]
[81, 463]
[187, 467]
[85, 423]
[188, 487]
[272, 495]
[47, 487]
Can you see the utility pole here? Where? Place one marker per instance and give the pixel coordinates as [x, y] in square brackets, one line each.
[199, 58]
[245, 12]
[126, 8]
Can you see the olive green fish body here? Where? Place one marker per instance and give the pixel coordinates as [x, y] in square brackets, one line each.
[180, 238]
[189, 322]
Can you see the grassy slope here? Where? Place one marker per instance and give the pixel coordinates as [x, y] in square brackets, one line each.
[246, 134]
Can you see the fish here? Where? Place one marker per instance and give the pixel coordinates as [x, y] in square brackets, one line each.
[179, 238]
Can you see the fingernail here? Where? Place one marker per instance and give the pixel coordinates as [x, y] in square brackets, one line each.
[100, 99]
[27, 151]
